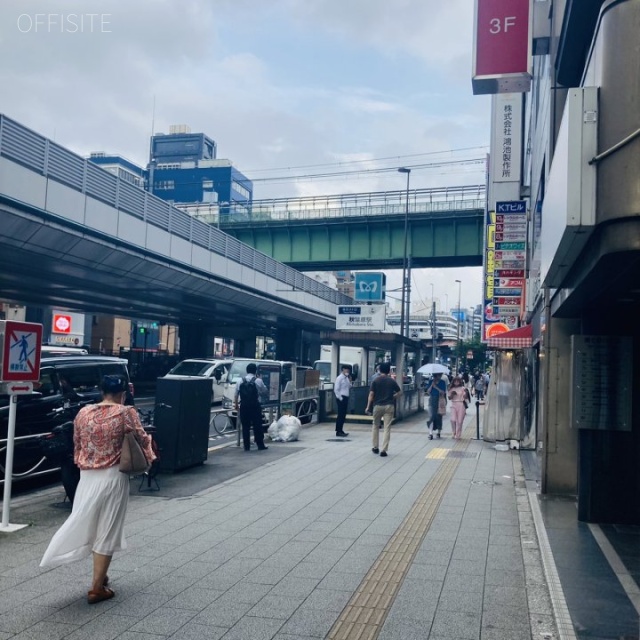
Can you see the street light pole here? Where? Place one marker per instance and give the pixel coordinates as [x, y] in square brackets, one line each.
[458, 329]
[404, 313]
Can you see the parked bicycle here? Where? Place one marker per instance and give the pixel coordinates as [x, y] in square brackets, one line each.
[222, 422]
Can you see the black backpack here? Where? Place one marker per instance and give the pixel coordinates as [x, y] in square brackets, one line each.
[248, 393]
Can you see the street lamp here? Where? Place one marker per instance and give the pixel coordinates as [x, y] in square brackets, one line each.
[433, 326]
[406, 292]
[458, 329]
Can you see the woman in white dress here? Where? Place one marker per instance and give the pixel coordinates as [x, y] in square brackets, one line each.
[96, 523]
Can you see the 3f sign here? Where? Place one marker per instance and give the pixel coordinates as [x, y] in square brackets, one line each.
[498, 27]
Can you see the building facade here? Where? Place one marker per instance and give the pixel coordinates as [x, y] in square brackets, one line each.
[575, 161]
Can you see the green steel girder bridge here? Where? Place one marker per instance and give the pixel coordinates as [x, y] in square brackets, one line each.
[362, 230]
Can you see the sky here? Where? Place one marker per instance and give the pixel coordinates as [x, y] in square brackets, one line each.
[287, 88]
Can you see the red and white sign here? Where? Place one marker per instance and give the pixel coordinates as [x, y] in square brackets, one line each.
[502, 51]
[61, 324]
[20, 351]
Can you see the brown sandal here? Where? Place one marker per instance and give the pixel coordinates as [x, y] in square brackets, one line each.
[93, 597]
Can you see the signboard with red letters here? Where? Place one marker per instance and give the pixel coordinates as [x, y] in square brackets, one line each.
[502, 46]
[20, 351]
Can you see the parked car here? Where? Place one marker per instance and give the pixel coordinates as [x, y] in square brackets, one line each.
[66, 384]
[217, 370]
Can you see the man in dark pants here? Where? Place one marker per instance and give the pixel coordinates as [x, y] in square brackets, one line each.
[341, 389]
[249, 391]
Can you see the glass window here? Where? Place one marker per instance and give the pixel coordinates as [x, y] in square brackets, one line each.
[80, 379]
[193, 368]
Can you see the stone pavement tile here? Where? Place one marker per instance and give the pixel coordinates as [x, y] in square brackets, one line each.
[416, 605]
[503, 531]
[510, 618]
[542, 624]
[538, 598]
[5, 635]
[504, 634]
[461, 625]
[351, 528]
[137, 635]
[309, 570]
[196, 568]
[194, 598]
[495, 597]
[46, 630]
[433, 556]
[276, 606]
[394, 629]
[501, 578]
[372, 539]
[171, 585]
[103, 627]
[451, 600]
[193, 631]
[139, 605]
[310, 622]
[308, 535]
[249, 592]
[463, 582]
[220, 614]
[78, 613]
[326, 599]
[348, 564]
[468, 567]
[296, 587]
[17, 597]
[164, 622]
[475, 552]
[435, 572]
[250, 628]
[24, 616]
[341, 581]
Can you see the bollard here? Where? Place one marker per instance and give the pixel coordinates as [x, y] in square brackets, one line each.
[477, 419]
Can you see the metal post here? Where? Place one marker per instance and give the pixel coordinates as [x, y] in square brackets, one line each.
[458, 329]
[433, 331]
[477, 419]
[5, 527]
[403, 314]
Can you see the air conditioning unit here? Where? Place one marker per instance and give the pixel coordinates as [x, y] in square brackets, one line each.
[569, 207]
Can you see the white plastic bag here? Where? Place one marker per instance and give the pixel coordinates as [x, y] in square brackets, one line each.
[272, 431]
[288, 429]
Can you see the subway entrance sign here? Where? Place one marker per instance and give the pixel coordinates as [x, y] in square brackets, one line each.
[370, 287]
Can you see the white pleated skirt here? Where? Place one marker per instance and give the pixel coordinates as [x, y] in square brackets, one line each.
[96, 522]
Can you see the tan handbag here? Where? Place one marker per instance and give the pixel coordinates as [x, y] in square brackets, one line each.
[132, 458]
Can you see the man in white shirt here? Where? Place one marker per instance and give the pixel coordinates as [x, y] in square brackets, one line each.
[341, 389]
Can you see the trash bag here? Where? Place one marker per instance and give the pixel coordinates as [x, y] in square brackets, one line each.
[272, 431]
[288, 429]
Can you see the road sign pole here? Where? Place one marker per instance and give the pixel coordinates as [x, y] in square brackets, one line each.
[5, 527]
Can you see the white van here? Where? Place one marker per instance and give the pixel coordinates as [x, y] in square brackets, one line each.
[217, 370]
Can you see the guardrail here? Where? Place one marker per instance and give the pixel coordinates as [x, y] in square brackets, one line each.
[49, 159]
[32, 472]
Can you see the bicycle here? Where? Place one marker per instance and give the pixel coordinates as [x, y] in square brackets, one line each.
[222, 422]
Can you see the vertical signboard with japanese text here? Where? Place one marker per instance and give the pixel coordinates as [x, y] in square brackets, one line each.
[504, 267]
[506, 139]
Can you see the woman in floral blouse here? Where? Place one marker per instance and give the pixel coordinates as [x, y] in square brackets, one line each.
[95, 525]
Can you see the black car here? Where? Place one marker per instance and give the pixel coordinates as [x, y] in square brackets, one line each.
[66, 384]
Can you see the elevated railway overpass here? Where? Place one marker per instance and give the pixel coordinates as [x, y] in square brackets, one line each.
[361, 230]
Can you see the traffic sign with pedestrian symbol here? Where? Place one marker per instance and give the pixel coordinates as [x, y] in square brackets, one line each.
[20, 351]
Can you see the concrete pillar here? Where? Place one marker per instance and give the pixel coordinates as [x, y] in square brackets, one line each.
[196, 340]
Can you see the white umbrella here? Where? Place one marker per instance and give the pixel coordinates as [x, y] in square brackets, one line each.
[433, 367]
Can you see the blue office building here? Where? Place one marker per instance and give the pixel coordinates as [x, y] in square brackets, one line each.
[183, 169]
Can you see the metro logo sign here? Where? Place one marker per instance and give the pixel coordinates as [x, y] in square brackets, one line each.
[61, 324]
[502, 47]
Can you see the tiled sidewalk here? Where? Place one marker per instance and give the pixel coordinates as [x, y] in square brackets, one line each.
[286, 551]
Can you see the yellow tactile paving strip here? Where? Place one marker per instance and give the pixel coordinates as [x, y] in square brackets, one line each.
[365, 613]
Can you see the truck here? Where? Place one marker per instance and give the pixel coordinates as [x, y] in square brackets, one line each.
[361, 362]
[293, 389]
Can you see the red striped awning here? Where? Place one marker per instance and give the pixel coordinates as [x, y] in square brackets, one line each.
[519, 338]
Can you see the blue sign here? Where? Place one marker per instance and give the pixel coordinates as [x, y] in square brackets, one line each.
[512, 206]
[370, 287]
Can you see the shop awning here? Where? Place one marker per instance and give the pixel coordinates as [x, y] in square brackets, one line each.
[519, 338]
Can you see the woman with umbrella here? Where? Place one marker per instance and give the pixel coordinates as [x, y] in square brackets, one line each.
[437, 392]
